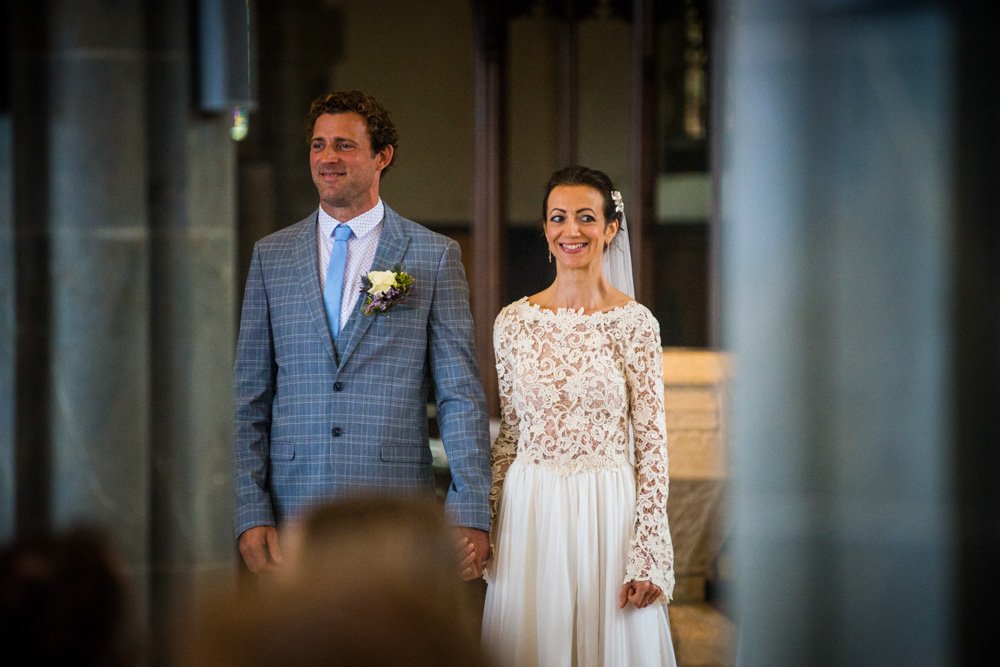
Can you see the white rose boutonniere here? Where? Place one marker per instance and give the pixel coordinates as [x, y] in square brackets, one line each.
[381, 281]
[384, 289]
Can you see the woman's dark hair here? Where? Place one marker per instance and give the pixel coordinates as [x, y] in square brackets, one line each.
[381, 131]
[579, 175]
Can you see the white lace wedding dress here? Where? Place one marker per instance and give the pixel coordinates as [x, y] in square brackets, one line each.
[578, 510]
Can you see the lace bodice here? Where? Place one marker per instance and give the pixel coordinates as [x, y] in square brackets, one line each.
[570, 386]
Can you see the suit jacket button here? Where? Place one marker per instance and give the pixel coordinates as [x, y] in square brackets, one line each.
[337, 386]
[336, 431]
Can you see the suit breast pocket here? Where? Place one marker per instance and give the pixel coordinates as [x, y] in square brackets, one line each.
[402, 316]
[397, 338]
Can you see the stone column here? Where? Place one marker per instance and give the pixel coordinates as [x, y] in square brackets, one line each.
[836, 269]
[192, 325]
[117, 309]
[97, 225]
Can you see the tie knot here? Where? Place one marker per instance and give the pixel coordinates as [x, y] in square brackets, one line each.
[341, 232]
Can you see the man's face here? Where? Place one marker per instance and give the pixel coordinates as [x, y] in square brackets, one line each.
[343, 168]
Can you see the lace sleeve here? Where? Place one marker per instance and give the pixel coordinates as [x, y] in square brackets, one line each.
[505, 446]
[651, 552]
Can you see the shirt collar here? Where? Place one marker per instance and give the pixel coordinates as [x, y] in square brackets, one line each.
[361, 225]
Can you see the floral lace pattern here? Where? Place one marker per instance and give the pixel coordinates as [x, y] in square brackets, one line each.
[570, 386]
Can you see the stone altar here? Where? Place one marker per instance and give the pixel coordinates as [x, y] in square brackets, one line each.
[695, 392]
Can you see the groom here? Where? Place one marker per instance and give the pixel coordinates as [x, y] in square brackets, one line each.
[330, 400]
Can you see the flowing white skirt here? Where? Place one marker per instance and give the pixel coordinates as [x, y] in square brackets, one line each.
[561, 544]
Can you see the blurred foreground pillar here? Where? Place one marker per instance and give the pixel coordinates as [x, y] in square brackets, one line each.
[117, 312]
[859, 207]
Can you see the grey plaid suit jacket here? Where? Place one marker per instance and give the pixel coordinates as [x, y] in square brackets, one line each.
[314, 422]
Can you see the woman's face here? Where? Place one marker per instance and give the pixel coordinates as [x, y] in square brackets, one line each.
[575, 228]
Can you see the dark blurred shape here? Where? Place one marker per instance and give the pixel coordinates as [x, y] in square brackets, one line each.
[227, 62]
[369, 581]
[64, 600]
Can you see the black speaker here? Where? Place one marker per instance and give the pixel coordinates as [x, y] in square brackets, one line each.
[227, 57]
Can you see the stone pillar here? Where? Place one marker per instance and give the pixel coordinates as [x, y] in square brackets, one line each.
[836, 211]
[97, 226]
[192, 324]
[118, 308]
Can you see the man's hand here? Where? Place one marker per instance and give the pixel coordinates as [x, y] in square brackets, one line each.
[473, 547]
[639, 593]
[260, 549]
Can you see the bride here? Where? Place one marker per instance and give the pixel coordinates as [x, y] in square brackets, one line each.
[582, 564]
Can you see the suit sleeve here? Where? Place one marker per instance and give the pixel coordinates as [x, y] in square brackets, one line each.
[254, 386]
[458, 390]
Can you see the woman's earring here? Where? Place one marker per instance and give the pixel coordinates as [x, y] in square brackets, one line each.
[550, 256]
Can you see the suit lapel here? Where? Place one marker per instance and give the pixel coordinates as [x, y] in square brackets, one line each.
[391, 248]
[306, 266]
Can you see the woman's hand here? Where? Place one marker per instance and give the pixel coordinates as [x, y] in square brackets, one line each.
[639, 593]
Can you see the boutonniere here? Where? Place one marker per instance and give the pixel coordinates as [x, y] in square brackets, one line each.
[384, 289]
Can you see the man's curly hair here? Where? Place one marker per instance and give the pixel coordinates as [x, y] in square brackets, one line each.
[381, 131]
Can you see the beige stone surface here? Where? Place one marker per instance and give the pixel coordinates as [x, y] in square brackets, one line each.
[695, 509]
[695, 386]
[694, 401]
[694, 365]
[702, 636]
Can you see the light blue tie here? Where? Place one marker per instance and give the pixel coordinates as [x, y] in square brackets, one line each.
[334, 291]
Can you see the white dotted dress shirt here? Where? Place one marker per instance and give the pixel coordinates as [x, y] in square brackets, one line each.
[361, 247]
